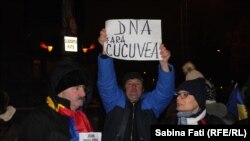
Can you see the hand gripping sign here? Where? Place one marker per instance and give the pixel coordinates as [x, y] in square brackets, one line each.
[131, 39]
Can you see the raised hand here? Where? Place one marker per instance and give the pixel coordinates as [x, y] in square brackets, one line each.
[165, 55]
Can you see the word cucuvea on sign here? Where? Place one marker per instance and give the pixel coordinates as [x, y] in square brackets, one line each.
[70, 44]
[133, 39]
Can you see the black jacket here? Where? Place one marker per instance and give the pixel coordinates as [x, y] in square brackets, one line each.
[45, 124]
[119, 120]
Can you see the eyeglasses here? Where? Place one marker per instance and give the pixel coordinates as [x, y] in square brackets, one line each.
[182, 94]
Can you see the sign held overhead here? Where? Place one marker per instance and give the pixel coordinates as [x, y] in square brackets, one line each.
[132, 39]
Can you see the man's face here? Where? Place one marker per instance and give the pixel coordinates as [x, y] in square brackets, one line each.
[134, 89]
[76, 96]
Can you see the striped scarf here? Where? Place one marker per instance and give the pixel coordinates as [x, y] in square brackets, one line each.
[78, 120]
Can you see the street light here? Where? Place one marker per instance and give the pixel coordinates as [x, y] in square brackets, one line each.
[44, 46]
[50, 48]
[91, 47]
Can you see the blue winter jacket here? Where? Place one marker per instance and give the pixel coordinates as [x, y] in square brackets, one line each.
[118, 108]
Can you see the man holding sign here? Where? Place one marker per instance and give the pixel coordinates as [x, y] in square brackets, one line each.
[131, 111]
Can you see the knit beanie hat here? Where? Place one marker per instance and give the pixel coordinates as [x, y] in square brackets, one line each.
[132, 75]
[194, 74]
[67, 73]
[196, 88]
[191, 72]
[70, 79]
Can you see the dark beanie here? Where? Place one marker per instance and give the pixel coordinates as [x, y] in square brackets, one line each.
[132, 75]
[70, 79]
[66, 73]
[197, 88]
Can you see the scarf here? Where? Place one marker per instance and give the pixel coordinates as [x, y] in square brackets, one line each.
[182, 117]
[78, 120]
[189, 118]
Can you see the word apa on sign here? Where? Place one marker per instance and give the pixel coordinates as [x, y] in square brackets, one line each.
[130, 39]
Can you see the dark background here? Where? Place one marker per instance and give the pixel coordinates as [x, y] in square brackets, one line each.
[192, 29]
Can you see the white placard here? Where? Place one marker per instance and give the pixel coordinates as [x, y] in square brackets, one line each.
[90, 136]
[70, 43]
[133, 39]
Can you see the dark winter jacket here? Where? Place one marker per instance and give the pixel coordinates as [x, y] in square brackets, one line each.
[123, 117]
[45, 124]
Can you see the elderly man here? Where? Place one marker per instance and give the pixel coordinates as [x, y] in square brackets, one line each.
[61, 118]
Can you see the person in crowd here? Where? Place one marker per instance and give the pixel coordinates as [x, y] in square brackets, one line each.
[191, 105]
[61, 118]
[190, 71]
[213, 107]
[129, 109]
[9, 118]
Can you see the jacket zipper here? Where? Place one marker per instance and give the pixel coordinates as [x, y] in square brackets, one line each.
[133, 118]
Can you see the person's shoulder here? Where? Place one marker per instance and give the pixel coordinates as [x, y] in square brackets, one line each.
[39, 117]
[169, 120]
[217, 109]
[38, 113]
[212, 119]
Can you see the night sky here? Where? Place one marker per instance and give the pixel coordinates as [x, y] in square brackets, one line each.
[192, 29]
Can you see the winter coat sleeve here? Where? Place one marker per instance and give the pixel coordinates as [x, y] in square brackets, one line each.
[160, 97]
[108, 88]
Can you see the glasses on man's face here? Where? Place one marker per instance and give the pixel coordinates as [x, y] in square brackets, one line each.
[182, 94]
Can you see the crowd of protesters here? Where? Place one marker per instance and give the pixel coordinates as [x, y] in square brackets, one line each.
[129, 109]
